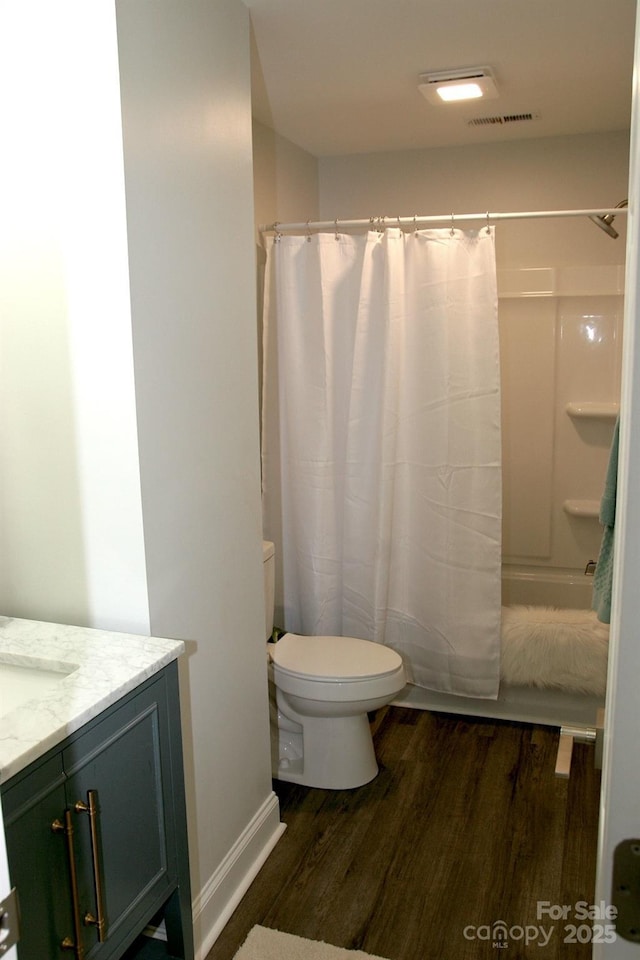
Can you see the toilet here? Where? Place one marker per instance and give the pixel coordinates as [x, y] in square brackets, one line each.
[321, 690]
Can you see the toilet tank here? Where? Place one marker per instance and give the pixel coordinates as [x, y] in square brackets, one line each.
[269, 566]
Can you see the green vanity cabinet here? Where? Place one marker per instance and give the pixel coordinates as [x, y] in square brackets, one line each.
[96, 835]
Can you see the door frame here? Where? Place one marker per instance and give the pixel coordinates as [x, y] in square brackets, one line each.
[620, 793]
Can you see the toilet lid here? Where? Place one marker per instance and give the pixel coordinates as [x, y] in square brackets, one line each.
[333, 658]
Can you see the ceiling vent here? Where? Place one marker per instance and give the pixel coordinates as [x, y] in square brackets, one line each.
[502, 119]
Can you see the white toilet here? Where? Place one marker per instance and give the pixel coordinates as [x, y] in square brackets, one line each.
[321, 690]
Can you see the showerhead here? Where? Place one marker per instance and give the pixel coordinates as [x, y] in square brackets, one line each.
[607, 219]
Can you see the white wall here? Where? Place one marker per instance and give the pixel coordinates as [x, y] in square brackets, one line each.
[548, 174]
[70, 514]
[188, 166]
[88, 466]
[286, 184]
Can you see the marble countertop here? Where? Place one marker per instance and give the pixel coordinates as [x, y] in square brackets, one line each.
[100, 667]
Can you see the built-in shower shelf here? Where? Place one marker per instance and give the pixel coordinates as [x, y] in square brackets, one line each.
[592, 410]
[582, 508]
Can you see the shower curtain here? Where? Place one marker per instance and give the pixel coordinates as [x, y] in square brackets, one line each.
[381, 445]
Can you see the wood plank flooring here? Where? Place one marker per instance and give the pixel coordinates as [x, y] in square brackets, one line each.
[465, 825]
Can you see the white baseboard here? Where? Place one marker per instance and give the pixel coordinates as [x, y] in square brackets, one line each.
[225, 888]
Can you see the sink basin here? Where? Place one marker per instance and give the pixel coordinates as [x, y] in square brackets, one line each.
[20, 682]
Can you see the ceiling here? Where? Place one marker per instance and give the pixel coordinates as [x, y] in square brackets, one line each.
[340, 76]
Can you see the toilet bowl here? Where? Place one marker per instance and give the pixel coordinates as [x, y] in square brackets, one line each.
[321, 690]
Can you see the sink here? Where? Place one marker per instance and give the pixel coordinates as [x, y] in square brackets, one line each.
[29, 680]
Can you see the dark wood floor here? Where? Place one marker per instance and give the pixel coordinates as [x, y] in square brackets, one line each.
[465, 825]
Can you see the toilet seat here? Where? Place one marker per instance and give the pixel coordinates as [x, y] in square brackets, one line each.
[333, 659]
[336, 669]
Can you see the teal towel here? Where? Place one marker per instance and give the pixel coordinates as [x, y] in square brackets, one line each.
[603, 578]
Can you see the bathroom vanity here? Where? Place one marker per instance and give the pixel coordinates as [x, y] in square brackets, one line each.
[93, 794]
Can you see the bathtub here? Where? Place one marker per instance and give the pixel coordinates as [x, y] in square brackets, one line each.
[559, 708]
[541, 587]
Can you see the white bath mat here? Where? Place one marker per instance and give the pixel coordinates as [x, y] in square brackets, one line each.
[545, 647]
[266, 944]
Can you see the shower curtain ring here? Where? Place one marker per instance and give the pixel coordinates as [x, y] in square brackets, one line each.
[415, 224]
[308, 232]
[453, 233]
[335, 226]
[488, 223]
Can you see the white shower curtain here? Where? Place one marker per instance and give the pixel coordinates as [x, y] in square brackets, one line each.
[381, 445]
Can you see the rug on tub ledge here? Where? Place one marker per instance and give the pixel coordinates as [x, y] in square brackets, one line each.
[562, 649]
[263, 943]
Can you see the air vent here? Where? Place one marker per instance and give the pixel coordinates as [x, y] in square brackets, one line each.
[502, 119]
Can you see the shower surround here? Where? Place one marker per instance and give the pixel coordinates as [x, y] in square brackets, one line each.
[560, 342]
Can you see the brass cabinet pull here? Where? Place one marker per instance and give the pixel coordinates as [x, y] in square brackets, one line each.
[68, 944]
[91, 807]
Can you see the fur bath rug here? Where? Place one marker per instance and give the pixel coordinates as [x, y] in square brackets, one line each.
[544, 647]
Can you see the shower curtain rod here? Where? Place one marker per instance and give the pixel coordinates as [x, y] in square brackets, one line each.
[447, 219]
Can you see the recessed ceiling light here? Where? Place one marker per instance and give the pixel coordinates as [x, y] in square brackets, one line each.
[459, 91]
[450, 86]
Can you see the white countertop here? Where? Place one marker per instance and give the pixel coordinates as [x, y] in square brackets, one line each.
[100, 667]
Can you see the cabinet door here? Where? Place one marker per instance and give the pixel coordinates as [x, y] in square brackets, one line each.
[119, 758]
[38, 860]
